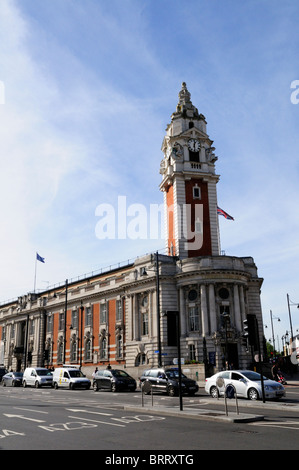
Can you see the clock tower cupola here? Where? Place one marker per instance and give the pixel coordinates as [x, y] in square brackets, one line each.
[189, 183]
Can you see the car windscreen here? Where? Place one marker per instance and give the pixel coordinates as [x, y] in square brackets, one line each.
[174, 374]
[43, 372]
[18, 374]
[75, 373]
[119, 373]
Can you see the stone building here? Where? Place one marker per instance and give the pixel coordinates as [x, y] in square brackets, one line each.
[127, 316]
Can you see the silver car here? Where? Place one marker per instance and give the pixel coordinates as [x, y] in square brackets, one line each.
[12, 379]
[247, 384]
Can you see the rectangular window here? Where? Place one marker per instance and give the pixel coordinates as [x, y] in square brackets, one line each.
[196, 192]
[61, 321]
[3, 333]
[145, 324]
[88, 316]
[119, 310]
[31, 327]
[49, 323]
[193, 319]
[198, 226]
[103, 313]
[75, 319]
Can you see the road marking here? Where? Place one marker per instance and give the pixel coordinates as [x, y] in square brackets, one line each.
[87, 411]
[24, 417]
[33, 411]
[279, 424]
[96, 421]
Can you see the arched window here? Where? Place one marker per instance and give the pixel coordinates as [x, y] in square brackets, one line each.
[141, 360]
[73, 352]
[60, 352]
[87, 349]
[119, 346]
[104, 349]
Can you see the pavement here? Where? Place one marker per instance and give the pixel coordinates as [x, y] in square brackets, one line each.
[228, 409]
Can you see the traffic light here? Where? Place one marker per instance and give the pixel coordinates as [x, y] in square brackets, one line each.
[250, 330]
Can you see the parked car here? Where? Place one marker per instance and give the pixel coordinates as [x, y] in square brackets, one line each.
[37, 377]
[70, 377]
[3, 371]
[12, 379]
[167, 380]
[247, 384]
[114, 380]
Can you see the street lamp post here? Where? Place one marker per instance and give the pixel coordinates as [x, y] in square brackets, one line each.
[273, 318]
[290, 318]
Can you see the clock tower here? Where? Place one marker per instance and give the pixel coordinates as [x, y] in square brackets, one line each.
[189, 183]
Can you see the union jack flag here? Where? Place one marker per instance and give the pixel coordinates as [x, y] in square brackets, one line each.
[225, 214]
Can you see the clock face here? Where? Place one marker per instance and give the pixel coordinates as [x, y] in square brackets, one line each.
[193, 145]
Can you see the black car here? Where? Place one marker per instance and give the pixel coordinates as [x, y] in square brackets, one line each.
[167, 380]
[12, 379]
[114, 380]
[3, 371]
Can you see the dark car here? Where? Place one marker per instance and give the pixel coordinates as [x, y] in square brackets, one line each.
[12, 379]
[114, 380]
[167, 380]
[3, 371]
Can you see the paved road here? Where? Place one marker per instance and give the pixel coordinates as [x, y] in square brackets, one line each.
[62, 419]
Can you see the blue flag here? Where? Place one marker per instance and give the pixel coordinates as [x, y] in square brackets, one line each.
[39, 258]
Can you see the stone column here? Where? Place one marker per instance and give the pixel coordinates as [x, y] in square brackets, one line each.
[204, 310]
[213, 315]
[242, 303]
[135, 318]
[129, 317]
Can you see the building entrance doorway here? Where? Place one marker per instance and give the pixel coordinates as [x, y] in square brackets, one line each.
[230, 354]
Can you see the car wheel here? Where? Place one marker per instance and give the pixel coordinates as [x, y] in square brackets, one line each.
[55, 385]
[95, 387]
[171, 391]
[113, 388]
[24, 384]
[253, 394]
[3, 383]
[36, 384]
[214, 392]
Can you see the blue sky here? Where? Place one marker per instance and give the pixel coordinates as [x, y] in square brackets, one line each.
[89, 89]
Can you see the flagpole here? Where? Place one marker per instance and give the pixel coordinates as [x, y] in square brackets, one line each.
[35, 273]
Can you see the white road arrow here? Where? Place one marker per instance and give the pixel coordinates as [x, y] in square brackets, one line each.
[24, 417]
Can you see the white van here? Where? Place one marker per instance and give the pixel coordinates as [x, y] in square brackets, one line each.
[70, 377]
[37, 377]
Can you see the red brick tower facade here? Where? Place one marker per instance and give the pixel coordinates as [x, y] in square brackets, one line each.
[189, 183]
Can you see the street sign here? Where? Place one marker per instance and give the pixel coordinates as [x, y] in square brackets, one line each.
[230, 391]
[220, 382]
